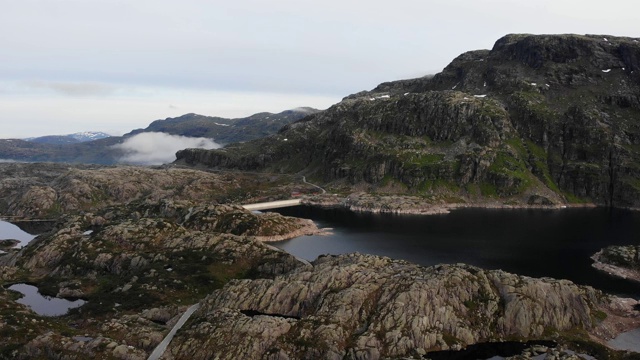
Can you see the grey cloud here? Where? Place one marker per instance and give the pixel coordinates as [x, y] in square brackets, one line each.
[152, 148]
[74, 88]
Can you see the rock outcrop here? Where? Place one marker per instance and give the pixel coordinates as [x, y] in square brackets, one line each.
[622, 261]
[548, 116]
[367, 307]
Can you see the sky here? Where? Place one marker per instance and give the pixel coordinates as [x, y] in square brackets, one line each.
[116, 65]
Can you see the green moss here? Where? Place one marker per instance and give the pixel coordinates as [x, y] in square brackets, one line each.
[438, 184]
[599, 315]
[491, 109]
[450, 339]
[573, 199]
[487, 189]
[471, 305]
[517, 145]
[428, 159]
[506, 165]
[538, 159]
[633, 182]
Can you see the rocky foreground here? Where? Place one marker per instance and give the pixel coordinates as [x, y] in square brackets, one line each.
[139, 261]
[368, 307]
[135, 265]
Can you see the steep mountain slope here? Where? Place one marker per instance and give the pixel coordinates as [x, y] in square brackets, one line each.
[537, 119]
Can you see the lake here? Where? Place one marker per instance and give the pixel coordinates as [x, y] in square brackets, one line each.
[44, 305]
[532, 242]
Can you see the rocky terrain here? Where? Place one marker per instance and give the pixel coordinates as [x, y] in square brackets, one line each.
[140, 244]
[536, 121]
[135, 265]
[549, 118]
[367, 307]
[48, 190]
[622, 261]
[102, 151]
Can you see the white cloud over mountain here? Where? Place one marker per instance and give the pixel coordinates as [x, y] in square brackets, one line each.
[154, 148]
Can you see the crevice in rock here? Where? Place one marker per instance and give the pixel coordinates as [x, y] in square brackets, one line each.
[252, 313]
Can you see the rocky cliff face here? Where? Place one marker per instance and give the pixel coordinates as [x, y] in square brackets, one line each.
[367, 307]
[556, 116]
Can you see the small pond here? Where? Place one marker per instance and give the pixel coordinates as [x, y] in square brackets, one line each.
[44, 305]
[629, 340]
[9, 231]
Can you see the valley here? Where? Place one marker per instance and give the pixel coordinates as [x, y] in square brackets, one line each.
[545, 124]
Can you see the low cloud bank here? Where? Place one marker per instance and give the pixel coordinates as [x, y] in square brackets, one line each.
[155, 148]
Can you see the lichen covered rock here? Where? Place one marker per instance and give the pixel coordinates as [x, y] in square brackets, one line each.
[359, 306]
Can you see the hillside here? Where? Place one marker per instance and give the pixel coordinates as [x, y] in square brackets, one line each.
[226, 131]
[93, 152]
[538, 119]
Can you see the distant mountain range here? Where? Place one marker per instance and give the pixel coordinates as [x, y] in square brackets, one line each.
[226, 131]
[97, 147]
[70, 138]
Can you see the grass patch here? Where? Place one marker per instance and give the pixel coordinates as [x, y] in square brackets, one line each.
[487, 189]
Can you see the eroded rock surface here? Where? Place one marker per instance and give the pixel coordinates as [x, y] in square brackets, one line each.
[50, 190]
[368, 307]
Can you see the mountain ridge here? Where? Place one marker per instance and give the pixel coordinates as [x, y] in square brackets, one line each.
[66, 148]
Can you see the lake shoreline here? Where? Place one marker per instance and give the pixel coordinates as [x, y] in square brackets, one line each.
[614, 270]
[416, 206]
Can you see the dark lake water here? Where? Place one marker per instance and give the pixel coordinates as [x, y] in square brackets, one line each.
[538, 243]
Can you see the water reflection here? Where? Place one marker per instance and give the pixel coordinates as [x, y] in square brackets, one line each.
[9, 231]
[44, 305]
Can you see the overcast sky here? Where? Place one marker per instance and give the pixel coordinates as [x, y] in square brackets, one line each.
[116, 65]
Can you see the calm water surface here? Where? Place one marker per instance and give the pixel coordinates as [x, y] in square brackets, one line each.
[539, 243]
[44, 305]
[9, 231]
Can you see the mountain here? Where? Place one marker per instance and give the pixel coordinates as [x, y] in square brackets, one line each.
[89, 135]
[92, 152]
[80, 148]
[538, 119]
[70, 138]
[225, 131]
